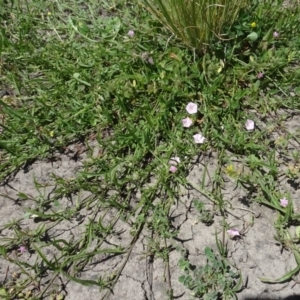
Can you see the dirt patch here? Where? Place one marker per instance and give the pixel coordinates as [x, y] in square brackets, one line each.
[143, 274]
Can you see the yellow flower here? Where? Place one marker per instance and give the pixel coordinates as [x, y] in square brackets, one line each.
[49, 13]
[253, 25]
[51, 133]
[231, 171]
[293, 169]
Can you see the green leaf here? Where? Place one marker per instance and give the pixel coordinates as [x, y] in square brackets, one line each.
[81, 281]
[47, 262]
[256, 85]
[23, 196]
[83, 28]
[298, 231]
[297, 255]
[181, 279]
[3, 292]
[209, 254]
[297, 90]
[16, 112]
[239, 284]
[268, 36]
[284, 278]
[253, 36]
[183, 264]
[6, 146]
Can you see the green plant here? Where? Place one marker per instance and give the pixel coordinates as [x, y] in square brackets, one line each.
[197, 22]
[215, 280]
[100, 85]
[284, 237]
[205, 216]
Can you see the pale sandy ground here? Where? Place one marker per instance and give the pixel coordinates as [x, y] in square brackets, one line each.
[256, 255]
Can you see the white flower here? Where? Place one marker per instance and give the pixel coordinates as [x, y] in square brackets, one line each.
[174, 161]
[275, 34]
[187, 122]
[233, 232]
[192, 108]
[199, 138]
[249, 124]
[131, 33]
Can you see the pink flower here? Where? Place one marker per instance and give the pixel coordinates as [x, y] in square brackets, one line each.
[192, 108]
[275, 34]
[187, 122]
[173, 169]
[174, 161]
[249, 125]
[199, 138]
[260, 75]
[284, 202]
[22, 249]
[131, 33]
[233, 232]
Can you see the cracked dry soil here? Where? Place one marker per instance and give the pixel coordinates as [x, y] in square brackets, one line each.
[145, 276]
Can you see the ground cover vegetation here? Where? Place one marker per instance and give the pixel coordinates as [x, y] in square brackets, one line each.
[153, 84]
